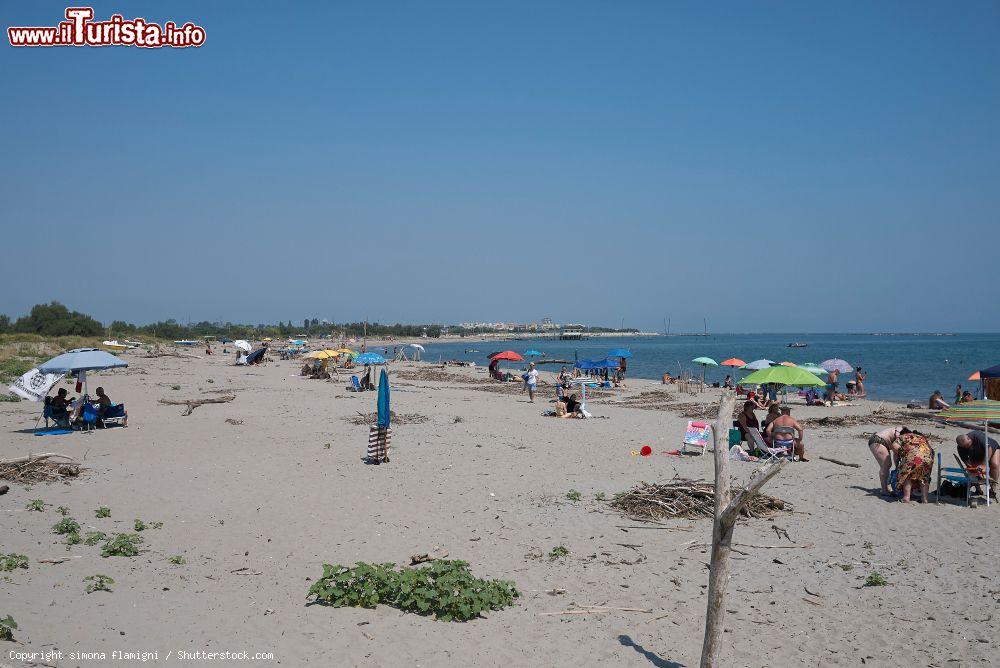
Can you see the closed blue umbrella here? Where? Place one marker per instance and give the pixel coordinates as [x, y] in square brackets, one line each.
[82, 359]
[384, 414]
[369, 358]
[620, 352]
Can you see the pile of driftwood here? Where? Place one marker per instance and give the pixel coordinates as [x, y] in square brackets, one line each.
[46, 467]
[397, 418]
[685, 499]
[650, 400]
[433, 374]
[880, 415]
[699, 411]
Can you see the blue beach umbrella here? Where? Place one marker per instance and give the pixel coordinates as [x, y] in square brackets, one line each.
[605, 364]
[384, 414]
[757, 365]
[532, 353]
[585, 365]
[369, 358]
[620, 352]
[82, 359]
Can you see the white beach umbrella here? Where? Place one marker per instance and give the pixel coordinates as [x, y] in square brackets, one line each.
[243, 345]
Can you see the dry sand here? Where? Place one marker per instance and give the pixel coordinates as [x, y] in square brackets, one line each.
[287, 490]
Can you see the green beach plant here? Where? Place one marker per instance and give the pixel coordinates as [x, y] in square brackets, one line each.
[875, 579]
[445, 589]
[177, 560]
[122, 545]
[573, 495]
[558, 552]
[103, 511]
[9, 562]
[98, 583]
[36, 505]
[7, 628]
[66, 525]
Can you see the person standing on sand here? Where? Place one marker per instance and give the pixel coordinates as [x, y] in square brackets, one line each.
[958, 394]
[884, 446]
[831, 383]
[531, 380]
[859, 382]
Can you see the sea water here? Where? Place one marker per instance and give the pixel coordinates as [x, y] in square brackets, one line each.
[899, 367]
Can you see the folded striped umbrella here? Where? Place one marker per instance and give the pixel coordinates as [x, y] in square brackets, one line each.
[983, 410]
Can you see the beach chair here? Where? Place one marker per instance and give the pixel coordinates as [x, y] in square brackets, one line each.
[959, 475]
[115, 415]
[48, 413]
[355, 385]
[761, 448]
[696, 436]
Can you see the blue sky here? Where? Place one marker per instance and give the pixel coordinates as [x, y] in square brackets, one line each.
[772, 166]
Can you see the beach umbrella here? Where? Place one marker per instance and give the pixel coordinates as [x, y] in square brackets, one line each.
[976, 376]
[319, 355]
[532, 353]
[384, 414]
[837, 364]
[417, 346]
[983, 411]
[733, 362]
[369, 358]
[81, 359]
[508, 355]
[620, 352]
[704, 362]
[787, 364]
[813, 368]
[757, 365]
[585, 365]
[605, 364]
[240, 344]
[784, 375]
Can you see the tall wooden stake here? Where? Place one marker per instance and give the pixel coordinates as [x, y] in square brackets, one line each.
[727, 510]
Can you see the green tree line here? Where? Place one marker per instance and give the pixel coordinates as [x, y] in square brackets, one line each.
[54, 319]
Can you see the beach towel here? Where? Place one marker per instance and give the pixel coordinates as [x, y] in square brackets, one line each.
[916, 459]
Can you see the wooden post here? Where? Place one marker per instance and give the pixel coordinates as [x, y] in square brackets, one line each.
[727, 510]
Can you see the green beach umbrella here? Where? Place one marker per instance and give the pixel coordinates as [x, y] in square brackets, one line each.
[704, 362]
[783, 375]
[983, 411]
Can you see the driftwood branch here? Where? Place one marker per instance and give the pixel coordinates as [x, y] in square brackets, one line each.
[34, 458]
[194, 403]
[837, 461]
[727, 511]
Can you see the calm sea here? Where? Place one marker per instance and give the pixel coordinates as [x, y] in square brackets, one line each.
[899, 367]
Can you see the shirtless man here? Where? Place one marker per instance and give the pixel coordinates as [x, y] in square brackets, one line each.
[937, 401]
[785, 432]
[884, 448]
[831, 382]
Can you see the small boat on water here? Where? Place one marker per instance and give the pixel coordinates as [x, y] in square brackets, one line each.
[798, 344]
[471, 350]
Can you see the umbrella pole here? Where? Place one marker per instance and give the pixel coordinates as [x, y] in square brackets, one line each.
[986, 438]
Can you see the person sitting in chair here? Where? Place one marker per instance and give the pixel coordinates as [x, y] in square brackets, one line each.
[785, 432]
[973, 450]
[747, 419]
[937, 401]
[59, 406]
[366, 382]
[105, 409]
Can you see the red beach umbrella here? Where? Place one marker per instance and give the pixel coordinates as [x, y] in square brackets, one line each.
[508, 355]
[733, 362]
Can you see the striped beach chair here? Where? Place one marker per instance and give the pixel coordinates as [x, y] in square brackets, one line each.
[378, 444]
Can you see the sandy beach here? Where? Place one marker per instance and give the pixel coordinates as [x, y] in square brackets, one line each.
[255, 508]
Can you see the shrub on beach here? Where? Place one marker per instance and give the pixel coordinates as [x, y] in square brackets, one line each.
[445, 589]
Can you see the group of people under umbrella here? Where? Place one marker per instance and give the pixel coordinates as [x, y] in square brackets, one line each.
[65, 411]
[773, 377]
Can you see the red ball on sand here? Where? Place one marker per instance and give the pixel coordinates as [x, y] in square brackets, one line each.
[646, 451]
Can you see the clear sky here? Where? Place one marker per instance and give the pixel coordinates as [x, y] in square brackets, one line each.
[772, 166]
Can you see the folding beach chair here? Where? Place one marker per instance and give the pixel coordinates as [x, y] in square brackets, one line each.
[115, 415]
[763, 449]
[696, 436]
[378, 444]
[959, 475]
[355, 385]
